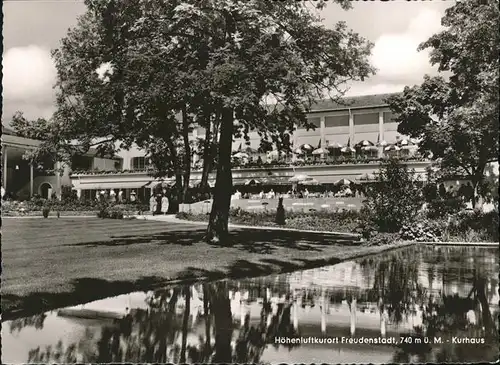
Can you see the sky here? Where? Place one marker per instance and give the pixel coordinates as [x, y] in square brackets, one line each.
[32, 28]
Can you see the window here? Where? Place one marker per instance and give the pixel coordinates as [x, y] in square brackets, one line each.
[80, 162]
[118, 164]
[362, 119]
[389, 117]
[138, 163]
[314, 121]
[337, 121]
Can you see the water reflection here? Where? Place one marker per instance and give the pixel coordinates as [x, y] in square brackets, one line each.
[416, 292]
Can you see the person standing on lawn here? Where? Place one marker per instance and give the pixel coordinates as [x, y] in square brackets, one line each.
[152, 204]
[164, 204]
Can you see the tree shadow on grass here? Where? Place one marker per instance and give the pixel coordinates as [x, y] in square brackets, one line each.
[267, 241]
[249, 240]
[178, 237]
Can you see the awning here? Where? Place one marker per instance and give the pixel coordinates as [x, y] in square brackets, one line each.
[113, 185]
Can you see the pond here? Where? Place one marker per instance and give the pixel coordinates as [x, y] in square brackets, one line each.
[417, 304]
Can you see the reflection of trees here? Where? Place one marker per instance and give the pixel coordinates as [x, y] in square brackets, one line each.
[187, 292]
[253, 340]
[396, 284]
[34, 321]
[142, 336]
[221, 307]
[162, 334]
[448, 316]
[153, 335]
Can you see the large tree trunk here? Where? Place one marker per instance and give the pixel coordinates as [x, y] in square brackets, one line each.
[477, 178]
[177, 195]
[217, 231]
[185, 321]
[221, 306]
[187, 154]
[208, 153]
[207, 160]
[173, 206]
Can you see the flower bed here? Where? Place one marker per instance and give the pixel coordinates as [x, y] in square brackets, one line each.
[463, 227]
[35, 207]
[317, 221]
[38, 213]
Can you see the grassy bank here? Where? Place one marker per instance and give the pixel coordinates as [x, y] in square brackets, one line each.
[50, 263]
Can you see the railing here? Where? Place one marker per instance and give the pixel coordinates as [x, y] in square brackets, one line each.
[325, 162]
[110, 172]
[270, 164]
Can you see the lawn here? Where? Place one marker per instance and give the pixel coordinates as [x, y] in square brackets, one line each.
[49, 263]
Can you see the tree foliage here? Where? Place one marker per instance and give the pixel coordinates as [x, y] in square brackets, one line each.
[148, 72]
[457, 116]
[394, 199]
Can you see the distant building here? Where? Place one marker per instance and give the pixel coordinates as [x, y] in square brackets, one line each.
[356, 119]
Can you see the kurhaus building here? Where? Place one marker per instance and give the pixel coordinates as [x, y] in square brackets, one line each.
[357, 119]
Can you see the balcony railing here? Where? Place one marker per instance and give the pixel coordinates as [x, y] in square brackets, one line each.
[267, 165]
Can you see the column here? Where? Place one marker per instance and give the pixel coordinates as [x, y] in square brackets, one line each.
[295, 316]
[323, 310]
[381, 125]
[242, 313]
[381, 132]
[4, 168]
[322, 131]
[353, 316]
[351, 127]
[383, 327]
[31, 180]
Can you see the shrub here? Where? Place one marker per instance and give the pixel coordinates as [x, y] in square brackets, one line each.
[484, 223]
[366, 226]
[115, 213]
[394, 199]
[381, 239]
[280, 213]
[184, 215]
[423, 231]
[442, 207]
[103, 208]
[37, 201]
[46, 211]
[111, 213]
